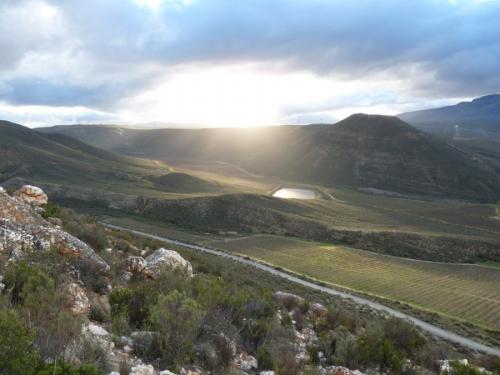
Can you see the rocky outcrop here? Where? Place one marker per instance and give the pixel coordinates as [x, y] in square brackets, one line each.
[160, 261]
[23, 229]
[32, 195]
[163, 259]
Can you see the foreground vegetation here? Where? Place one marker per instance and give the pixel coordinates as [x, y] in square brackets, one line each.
[196, 319]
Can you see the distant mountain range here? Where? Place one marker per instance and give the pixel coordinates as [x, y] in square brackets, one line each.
[362, 151]
[478, 118]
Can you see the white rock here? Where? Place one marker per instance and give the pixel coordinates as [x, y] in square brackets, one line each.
[142, 370]
[163, 259]
[2, 191]
[114, 373]
[80, 303]
[32, 195]
[96, 330]
[267, 373]
[166, 372]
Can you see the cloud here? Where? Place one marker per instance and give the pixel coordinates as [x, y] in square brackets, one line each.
[99, 53]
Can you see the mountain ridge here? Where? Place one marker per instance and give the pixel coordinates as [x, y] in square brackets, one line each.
[479, 117]
[360, 151]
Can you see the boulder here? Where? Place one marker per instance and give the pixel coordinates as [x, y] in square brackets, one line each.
[289, 300]
[2, 191]
[246, 362]
[142, 370]
[166, 372]
[80, 304]
[95, 330]
[31, 195]
[163, 259]
[317, 310]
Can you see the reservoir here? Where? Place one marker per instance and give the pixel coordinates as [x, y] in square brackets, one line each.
[288, 193]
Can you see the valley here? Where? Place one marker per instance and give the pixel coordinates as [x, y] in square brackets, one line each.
[274, 187]
[430, 257]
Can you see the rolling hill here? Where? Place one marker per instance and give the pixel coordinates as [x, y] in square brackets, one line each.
[59, 159]
[362, 151]
[477, 118]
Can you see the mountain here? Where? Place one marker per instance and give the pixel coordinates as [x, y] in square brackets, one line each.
[57, 158]
[362, 151]
[477, 118]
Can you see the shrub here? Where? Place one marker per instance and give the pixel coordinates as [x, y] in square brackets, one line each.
[51, 210]
[177, 318]
[17, 354]
[346, 348]
[265, 359]
[376, 350]
[119, 299]
[45, 306]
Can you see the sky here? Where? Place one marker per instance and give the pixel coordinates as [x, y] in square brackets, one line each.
[241, 62]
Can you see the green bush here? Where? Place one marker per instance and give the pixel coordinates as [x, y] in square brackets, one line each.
[177, 318]
[52, 210]
[44, 303]
[17, 354]
[265, 359]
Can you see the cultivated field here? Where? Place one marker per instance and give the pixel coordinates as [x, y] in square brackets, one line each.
[464, 292]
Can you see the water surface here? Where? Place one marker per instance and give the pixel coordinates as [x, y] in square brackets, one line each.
[288, 193]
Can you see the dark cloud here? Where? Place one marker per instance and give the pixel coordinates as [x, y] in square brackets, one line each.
[441, 48]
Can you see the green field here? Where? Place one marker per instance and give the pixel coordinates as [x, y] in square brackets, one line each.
[464, 292]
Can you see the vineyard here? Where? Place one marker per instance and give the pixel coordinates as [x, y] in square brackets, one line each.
[464, 292]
